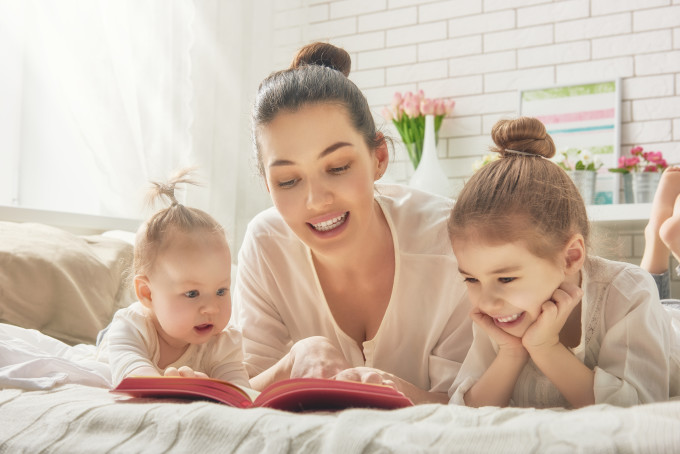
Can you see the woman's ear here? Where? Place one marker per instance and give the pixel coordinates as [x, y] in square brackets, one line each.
[575, 254]
[382, 156]
[143, 290]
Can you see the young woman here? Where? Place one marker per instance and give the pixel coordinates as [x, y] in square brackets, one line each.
[553, 327]
[342, 277]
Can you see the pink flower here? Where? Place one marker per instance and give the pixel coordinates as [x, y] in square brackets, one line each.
[650, 168]
[636, 150]
[653, 156]
[428, 106]
[387, 114]
[412, 107]
[449, 106]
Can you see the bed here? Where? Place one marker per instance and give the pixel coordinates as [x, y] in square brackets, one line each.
[58, 288]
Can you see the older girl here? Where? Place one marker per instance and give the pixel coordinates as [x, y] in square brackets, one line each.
[553, 327]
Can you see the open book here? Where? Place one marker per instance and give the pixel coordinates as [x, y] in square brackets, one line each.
[295, 394]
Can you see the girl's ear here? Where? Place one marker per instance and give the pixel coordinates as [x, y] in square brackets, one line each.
[382, 156]
[143, 290]
[575, 254]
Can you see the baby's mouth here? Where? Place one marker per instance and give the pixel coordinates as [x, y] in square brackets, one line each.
[330, 224]
[204, 327]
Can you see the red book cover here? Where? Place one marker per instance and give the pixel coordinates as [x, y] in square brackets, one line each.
[295, 394]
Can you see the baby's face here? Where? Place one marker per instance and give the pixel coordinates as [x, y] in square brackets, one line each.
[190, 287]
[507, 282]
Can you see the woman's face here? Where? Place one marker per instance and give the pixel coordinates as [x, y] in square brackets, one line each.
[320, 173]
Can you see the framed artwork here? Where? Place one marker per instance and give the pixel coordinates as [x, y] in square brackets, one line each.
[585, 116]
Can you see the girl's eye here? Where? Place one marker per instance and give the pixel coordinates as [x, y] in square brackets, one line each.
[470, 280]
[506, 280]
[192, 294]
[222, 291]
[339, 170]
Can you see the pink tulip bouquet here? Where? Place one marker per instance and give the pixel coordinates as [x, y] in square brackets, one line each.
[408, 111]
[641, 161]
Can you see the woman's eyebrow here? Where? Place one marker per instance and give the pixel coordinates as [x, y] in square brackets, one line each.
[328, 150]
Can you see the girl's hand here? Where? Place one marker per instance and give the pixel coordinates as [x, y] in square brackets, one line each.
[545, 331]
[316, 357]
[507, 343]
[184, 371]
[366, 375]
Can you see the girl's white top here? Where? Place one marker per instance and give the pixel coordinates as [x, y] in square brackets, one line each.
[628, 338]
[425, 331]
[132, 341]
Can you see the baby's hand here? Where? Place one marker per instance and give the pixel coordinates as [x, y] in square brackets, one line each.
[184, 371]
[545, 331]
[507, 343]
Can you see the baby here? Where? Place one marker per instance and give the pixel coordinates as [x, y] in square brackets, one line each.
[182, 275]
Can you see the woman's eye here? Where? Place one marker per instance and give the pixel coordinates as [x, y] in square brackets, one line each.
[288, 183]
[222, 291]
[470, 280]
[338, 170]
[505, 280]
[192, 294]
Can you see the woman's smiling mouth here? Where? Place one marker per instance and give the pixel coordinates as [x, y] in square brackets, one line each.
[330, 224]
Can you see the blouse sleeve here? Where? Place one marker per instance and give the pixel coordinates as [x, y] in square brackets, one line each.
[448, 354]
[633, 365]
[479, 358]
[227, 359]
[265, 337]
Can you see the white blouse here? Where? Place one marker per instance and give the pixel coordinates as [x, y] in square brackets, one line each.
[132, 341]
[628, 338]
[425, 332]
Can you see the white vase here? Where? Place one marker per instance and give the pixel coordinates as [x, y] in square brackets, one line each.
[584, 180]
[429, 175]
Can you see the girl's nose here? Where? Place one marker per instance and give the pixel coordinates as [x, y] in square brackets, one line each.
[489, 300]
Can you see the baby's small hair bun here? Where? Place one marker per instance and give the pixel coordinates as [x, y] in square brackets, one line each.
[323, 54]
[521, 137]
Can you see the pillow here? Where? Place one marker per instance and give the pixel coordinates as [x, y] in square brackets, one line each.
[65, 285]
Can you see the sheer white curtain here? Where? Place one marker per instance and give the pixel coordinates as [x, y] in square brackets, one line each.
[96, 99]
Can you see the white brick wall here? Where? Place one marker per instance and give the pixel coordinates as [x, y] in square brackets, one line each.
[480, 52]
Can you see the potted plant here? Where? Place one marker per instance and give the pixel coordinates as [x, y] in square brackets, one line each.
[640, 172]
[582, 167]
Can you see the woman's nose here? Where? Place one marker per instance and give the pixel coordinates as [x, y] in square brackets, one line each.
[318, 195]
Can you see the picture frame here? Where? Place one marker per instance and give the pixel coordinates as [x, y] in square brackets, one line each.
[583, 115]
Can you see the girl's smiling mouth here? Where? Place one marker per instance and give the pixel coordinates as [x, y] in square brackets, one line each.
[509, 320]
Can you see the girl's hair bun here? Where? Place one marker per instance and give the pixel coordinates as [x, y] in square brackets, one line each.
[524, 134]
[323, 54]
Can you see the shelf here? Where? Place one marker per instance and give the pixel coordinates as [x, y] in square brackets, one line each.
[74, 222]
[621, 216]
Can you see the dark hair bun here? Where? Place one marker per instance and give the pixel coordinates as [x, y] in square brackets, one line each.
[323, 54]
[525, 134]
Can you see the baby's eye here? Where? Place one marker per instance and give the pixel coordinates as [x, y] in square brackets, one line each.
[192, 294]
[506, 280]
[222, 291]
[339, 170]
[470, 280]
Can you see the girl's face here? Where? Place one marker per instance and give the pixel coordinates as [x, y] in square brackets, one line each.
[189, 288]
[506, 281]
[320, 173]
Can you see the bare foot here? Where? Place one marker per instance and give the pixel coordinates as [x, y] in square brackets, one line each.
[670, 231]
[655, 257]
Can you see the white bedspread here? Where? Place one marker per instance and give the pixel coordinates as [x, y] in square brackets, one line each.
[55, 398]
[77, 418]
